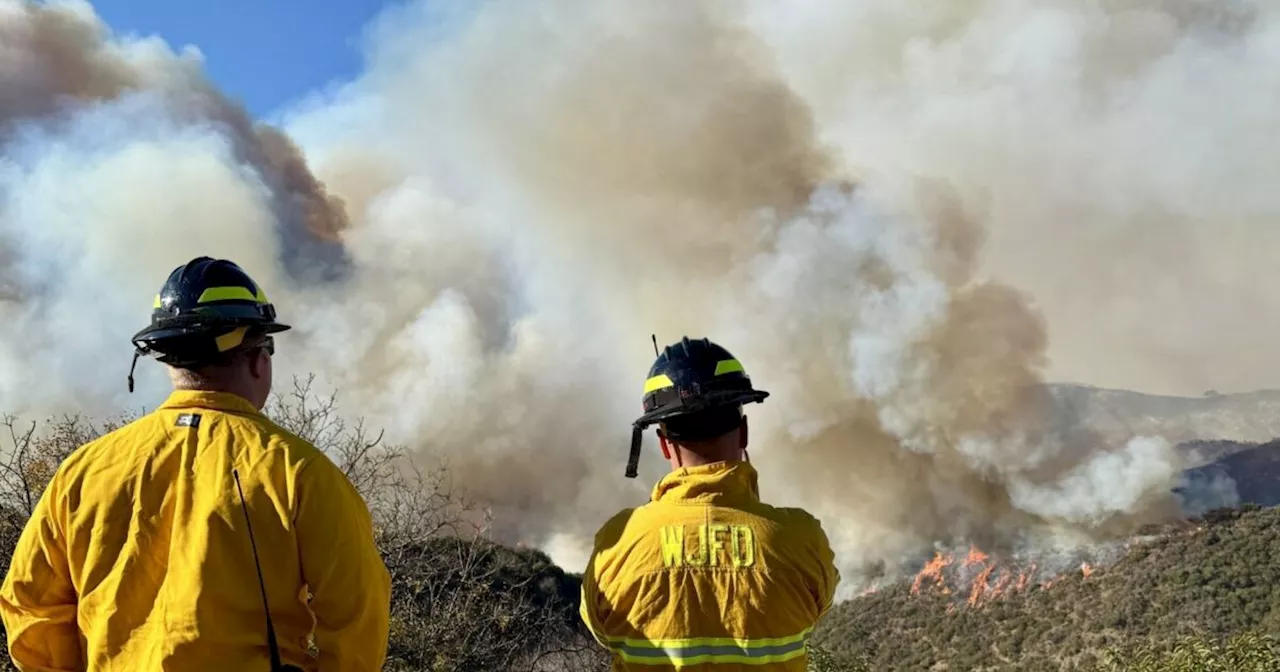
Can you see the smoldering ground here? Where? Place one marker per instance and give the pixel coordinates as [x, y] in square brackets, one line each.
[514, 196]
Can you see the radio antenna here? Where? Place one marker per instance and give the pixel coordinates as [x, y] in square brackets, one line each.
[272, 646]
[655, 345]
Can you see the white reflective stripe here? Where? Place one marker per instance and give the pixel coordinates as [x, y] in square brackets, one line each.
[679, 653]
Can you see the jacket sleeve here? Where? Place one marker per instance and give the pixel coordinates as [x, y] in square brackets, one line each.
[595, 607]
[38, 599]
[591, 604]
[343, 569]
[824, 576]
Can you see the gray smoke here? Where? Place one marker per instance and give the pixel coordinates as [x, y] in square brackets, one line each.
[1119, 151]
[869, 206]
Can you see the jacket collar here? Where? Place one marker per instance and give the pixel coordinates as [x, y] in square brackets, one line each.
[715, 483]
[213, 401]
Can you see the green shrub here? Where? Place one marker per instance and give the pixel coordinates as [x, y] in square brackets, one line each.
[1245, 652]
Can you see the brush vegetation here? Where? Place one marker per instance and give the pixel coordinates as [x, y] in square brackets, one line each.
[1198, 592]
[1200, 595]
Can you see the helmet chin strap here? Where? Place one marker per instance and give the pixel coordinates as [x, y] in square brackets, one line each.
[633, 461]
[136, 353]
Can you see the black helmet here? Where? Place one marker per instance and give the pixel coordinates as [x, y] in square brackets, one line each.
[689, 377]
[206, 307]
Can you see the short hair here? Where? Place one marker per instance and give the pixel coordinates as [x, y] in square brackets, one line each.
[212, 372]
[703, 425]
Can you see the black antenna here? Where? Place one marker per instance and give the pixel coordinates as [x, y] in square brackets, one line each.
[655, 345]
[272, 646]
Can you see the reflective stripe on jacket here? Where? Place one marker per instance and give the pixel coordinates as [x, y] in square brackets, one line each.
[138, 558]
[705, 576]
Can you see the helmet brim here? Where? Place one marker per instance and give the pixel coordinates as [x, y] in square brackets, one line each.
[711, 401]
[153, 339]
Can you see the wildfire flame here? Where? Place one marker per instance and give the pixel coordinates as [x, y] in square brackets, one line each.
[933, 571]
[989, 580]
[1024, 579]
[975, 557]
[980, 585]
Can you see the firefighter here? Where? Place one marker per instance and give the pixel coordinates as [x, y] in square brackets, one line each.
[705, 576]
[141, 551]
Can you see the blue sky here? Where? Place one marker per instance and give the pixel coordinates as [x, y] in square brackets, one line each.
[265, 53]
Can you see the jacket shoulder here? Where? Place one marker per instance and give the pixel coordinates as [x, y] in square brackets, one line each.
[797, 516]
[114, 442]
[279, 436]
[612, 529]
[797, 522]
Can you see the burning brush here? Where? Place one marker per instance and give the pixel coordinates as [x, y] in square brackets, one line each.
[980, 578]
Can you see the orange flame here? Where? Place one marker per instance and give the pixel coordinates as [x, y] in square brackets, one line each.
[1024, 578]
[975, 557]
[992, 581]
[933, 570]
[1002, 585]
[980, 585]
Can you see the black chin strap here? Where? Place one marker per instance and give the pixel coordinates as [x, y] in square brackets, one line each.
[633, 461]
[136, 353]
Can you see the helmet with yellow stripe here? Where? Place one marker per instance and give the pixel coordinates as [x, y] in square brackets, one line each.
[693, 384]
[206, 308]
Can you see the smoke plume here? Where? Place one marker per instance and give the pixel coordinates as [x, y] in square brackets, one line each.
[884, 212]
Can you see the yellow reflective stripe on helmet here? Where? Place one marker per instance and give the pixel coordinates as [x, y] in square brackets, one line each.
[157, 303]
[728, 366]
[657, 382]
[229, 293]
[720, 650]
[232, 339]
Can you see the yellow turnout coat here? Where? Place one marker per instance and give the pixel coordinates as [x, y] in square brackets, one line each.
[137, 557]
[707, 577]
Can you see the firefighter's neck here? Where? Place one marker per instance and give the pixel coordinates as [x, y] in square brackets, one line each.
[243, 378]
[731, 447]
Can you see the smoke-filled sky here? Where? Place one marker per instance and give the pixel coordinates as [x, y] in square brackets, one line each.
[901, 217]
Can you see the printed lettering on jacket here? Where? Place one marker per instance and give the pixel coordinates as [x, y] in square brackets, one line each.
[705, 545]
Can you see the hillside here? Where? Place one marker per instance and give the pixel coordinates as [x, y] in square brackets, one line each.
[1250, 417]
[1253, 472]
[1214, 577]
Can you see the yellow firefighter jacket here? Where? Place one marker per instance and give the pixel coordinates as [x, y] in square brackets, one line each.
[706, 577]
[137, 556]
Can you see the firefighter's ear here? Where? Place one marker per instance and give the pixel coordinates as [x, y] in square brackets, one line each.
[662, 443]
[258, 363]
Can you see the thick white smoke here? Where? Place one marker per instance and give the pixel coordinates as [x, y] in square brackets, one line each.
[1120, 151]
[826, 190]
